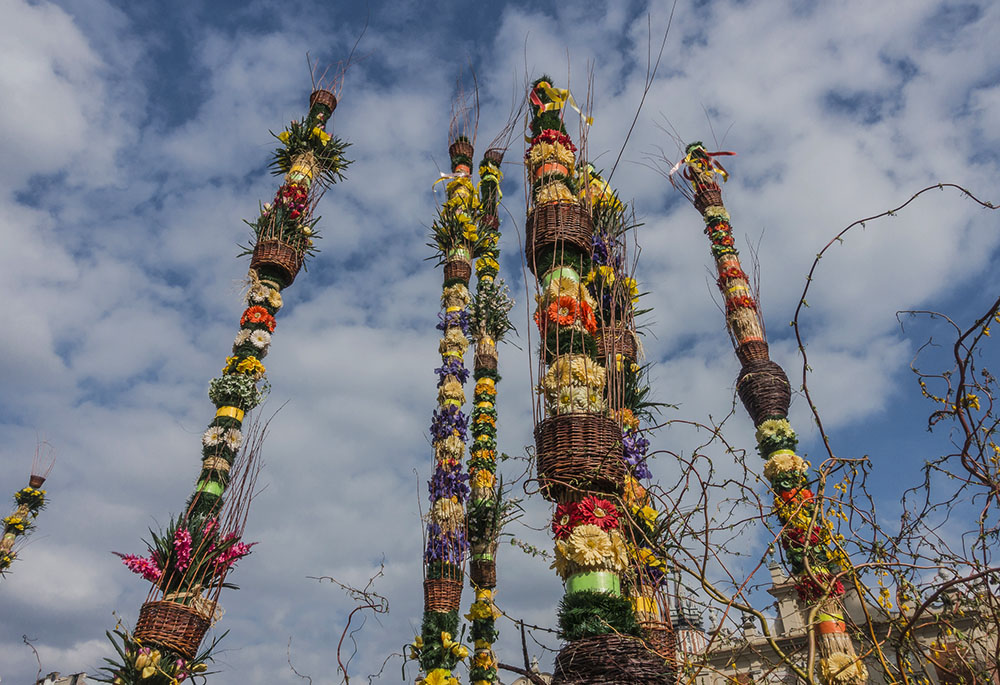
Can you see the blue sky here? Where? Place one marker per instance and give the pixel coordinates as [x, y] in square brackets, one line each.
[135, 140]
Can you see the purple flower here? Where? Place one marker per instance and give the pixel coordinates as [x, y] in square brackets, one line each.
[452, 366]
[448, 421]
[448, 484]
[453, 319]
[634, 448]
[448, 546]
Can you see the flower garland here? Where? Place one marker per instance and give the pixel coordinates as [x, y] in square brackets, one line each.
[30, 501]
[807, 537]
[188, 561]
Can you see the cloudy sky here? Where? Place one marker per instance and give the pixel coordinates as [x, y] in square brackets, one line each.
[134, 140]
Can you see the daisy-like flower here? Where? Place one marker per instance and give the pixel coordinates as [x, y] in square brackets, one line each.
[597, 511]
[588, 545]
[259, 339]
[233, 439]
[448, 513]
[213, 436]
[619, 551]
[451, 390]
[274, 298]
[562, 520]
[561, 558]
[564, 401]
[242, 337]
[257, 293]
[563, 311]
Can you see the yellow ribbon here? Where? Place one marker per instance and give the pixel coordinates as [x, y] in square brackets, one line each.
[560, 97]
[646, 604]
[231, 412]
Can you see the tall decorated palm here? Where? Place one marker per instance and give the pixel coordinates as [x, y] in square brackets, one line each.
[806, 535]
[457, 241]
[578, 443]
[489, 323]
[188, 562]
[30, 500]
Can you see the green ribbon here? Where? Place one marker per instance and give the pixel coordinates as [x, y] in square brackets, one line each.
[483, 556]
[599, 581]
[777, 452]
[820, 618]
[210, 486]
[559, 272]
[459, 252]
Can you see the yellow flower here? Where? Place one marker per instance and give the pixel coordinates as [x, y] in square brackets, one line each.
[251, 366]
[460, 651]
[482, 644]
[561, 561]
[481, 611]
[483, 479]
[484, 594]
[446, 640]
[274, 298]
[485, 659]
[439, 676]
[284, 136]
[588, 545]
[647, 513]
[323, 136]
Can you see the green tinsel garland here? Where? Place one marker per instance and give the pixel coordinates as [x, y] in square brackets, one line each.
[588, 612]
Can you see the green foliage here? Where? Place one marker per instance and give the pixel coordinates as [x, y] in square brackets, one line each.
[489, 312]
[433, 654]
[588, 612]
[153, 665]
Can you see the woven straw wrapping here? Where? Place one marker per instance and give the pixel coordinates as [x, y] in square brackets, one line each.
[457, 268]
[616, 340]
[764, 389]
[278, 256]
[707, 196]
[442, 594]
[171, 625]
[579, 452]
[557, 224]
[745, 324]
[752, 350]
[483, 573]
[607, 659]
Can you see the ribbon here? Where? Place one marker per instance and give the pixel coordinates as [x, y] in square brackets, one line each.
[776, 453]
[560, 97]
[210, 486]
[483, 556]
[455, 403]
[830, 624]
[451, 353]
[460, 252]
[231, 412]
[599, 581]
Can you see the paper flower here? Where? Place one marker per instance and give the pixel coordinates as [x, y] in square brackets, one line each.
[588, 545]
[596, 511]
[213, 436]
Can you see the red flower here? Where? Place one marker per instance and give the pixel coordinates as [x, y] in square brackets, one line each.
[812, 588]
[730, 273]
[258, 315]
[563, 520]
[741, 301]
[796, 495]
[550, 135]
[564, 310]
[587, 316]
[599, 512]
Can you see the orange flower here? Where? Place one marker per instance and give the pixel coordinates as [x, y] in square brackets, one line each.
[564, 310]
[258, 315]
[589, 320]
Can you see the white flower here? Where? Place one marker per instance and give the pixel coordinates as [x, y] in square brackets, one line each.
[213, 436]
[242, 337]
[260, 339]
[233, 439]
[257, 292]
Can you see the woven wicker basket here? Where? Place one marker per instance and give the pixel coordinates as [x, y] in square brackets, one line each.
[752, 350]
[461, 147]
[457, 268]
[617, 340]
[323, 97]
[442, 594]
[483, 573]
[660, 638]
[579, 452]
[36, 481]
[277, 257]
[562, 225]
[764, 389]
[707, 196]
[171, 625]
[606, 659]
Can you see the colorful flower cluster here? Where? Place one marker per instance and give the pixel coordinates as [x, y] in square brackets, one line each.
[30, 501]
[188, 555]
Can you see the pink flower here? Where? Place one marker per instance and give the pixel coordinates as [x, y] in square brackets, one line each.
[182, 545]
[147, 568]
[225, 560]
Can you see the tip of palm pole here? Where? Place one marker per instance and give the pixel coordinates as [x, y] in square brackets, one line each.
[694, 146]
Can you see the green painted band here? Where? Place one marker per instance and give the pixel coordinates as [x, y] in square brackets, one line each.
[210, 486]
[777, 452]
[820, 618]
[484, 556]
[600, 581]
[560, 272]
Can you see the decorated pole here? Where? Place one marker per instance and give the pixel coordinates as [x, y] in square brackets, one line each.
[188, 562]
[578, 445]
[615, 292]
[806, 535]
[457, 242]
[30, 500]
[489, 324]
